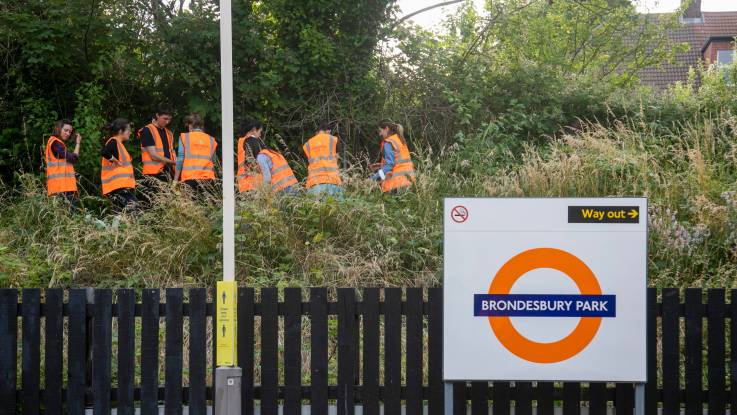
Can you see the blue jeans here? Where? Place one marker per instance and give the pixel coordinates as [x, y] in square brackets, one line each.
[326, 190]
[289, 191]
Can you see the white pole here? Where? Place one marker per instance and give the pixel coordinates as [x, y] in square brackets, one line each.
[226, 82]
[227, 374]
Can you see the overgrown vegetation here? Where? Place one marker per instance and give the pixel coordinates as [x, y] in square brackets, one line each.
[489, 109]
[686, 165]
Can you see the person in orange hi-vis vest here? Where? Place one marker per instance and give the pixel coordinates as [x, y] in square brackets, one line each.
[61, 181]
[196, 157]
[248, 176]
[157, 152]
[396, 172]
[323, 174]
[118, 181]
[271, 168]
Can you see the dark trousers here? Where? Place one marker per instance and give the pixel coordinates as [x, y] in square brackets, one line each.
[69, 198]
[202, 189]
[150, 185]
[123, 200]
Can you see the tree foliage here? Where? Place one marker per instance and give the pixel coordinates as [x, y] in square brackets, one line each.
[294, 62]
[524, 68]
[514, 72]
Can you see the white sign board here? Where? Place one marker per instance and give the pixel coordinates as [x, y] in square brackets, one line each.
[545, 289]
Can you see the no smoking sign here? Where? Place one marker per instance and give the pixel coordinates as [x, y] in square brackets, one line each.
[459, 214]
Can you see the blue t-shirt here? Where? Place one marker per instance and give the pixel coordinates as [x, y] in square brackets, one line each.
[388, 162]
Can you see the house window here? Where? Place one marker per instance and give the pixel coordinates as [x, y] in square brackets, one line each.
[725, 57]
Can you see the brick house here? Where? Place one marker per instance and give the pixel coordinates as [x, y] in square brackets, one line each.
[710, 37]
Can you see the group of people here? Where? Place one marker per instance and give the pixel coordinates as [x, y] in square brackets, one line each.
[193, 162]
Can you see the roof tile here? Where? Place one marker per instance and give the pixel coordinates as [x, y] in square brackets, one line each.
[695, 35]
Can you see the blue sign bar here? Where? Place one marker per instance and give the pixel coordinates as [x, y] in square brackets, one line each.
[544, 305]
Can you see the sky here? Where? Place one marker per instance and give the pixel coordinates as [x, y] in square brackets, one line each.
[431, 18]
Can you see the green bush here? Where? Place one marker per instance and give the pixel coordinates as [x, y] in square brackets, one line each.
[688, 173]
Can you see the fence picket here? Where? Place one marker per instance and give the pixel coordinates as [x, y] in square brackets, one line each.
[77, 363]
[197, 399]
[625, 399]
[597, 398]
[651, 388]
[413, 355]
[53, 362]
[126, 350]
[501, 392]
[371, 351]
[716, 347]
[479, 398]
[319, 350]
[245, 345]
[460, 398]
[269, 351]
[150, 352]
[102, 351]
[694, 338]
[292, 351]
[436, 400]
[8, 349]
[214, 350]
[523, 398]
[174, 360]
[545, 403]
[733, 350]
[670, 363]
[392, 350]
[31, 358]
[571, 398]
[346, 350]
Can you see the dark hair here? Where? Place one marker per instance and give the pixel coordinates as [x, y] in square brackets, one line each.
[254, 146]
[60, 124]
[394, 128]
[324, 125]
[194, 120]
[387, 123]
[164, 109]
[248, 125]
[116, 126]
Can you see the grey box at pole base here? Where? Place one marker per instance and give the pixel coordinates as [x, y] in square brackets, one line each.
[228, 390]
[545, 289]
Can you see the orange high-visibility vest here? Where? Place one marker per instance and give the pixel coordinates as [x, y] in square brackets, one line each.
[249, 178]
[199, 149]
[403, 173]
[116, 176]
[151, 166]
[59, 174]
[323, 160]
[281, 174]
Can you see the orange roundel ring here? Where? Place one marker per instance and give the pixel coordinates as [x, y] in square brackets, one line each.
[575, 269]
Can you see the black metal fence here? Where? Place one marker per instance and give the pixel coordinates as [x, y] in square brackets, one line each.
[368, 347]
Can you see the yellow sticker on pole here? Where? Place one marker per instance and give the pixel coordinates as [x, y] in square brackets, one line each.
[226, 312]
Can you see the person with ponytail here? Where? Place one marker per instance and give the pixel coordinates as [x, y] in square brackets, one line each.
[118, 181]
[249, 145]
[271, 169]
[60, 178]
[396, 171]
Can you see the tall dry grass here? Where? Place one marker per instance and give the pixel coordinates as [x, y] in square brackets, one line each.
[687, 172]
